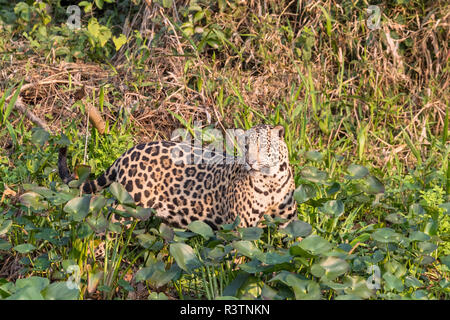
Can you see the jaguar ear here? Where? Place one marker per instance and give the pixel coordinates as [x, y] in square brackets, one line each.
[279, 130]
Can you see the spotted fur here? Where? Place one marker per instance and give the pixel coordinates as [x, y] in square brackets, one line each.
[167, 177]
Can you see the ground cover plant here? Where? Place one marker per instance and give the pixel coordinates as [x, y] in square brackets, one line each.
[361, 89]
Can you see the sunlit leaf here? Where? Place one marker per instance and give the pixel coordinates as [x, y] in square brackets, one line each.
[184, 256]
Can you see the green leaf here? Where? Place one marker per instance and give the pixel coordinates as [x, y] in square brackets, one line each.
[13, 100]
[27, 293]
[78, 208]
[4, 226]
[445, 260]
[32, 200]
[274, 258]
[247, 249]
[251, 233]
[97, 203]
[120, 41]
[83, 172]
[24, 248]
[5, 245]
[297, 228]
[427, 247]
[184, 256]
[334, 267]
[315, 244]
[121, 194]
[33, 281]
[139, 212]
[99, 4]
[333, 189]
[166, 232]
[314, 175]
[304, 192]
[372, 185]
[395, 218]
[303, 289]
[392, 282]
[357, 286]
[445, 206]
[396, 268]
[386, 235]
[157, 275]
[333, 208]
[201, 228]
[98, 222]
[356, 171]
[39, 136]
[60, 291]
[314, 156]
[412, 282]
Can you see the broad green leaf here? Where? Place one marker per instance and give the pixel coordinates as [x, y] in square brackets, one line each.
[427, 247]
[4, 226]
[157, 296]
[304, 192]
[218, 252]
[119, 41]
[333, 189]
[446, 207]
[356, 171]
[39, 136]
[334, 267]
[273, 258]
[83, 172]
[166, 232]
[97, 203]
[392, 282]
[445, 260]
[24, 248]
[395, 218]
[78, 208]
[139, 212]
[314, 156]
[201, 228]
[315, 244]
[314, 175]
[416, 209]
[4, 245]
[424, 260]
[27, 293]
[121, 194]
[184, 256]
[251, 233]
[395, 268]
[357, 286]
[303, 289]
[247, 249]
[98, 222]
[333, 208]
[386, 235]
[297, 228]
[372, 185]
[60, 291]
[412, 282]
[33, 200]
[33, 281]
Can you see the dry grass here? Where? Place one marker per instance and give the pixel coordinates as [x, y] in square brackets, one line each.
[399, 71]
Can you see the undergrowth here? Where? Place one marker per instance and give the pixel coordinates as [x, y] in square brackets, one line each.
[366, 118]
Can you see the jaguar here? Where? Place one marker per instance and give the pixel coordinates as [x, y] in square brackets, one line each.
[184, 182]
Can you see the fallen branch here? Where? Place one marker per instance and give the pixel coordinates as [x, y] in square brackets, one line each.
[20, 106]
